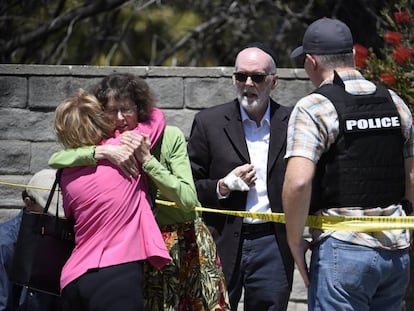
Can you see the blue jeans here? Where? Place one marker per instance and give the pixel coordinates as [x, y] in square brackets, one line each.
[262, 274]
[8, 237]
[346, 276]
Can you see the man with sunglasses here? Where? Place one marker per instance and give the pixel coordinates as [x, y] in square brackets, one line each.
[236, 151]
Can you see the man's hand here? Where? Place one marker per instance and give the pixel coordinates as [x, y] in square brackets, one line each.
[299, 254]
[245, 172]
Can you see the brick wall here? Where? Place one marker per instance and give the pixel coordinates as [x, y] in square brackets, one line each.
[29, 95]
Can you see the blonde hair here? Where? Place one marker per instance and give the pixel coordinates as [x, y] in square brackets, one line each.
[80, 121]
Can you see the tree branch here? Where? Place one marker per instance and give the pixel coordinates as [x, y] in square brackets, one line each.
[215, 21]
[81, 12]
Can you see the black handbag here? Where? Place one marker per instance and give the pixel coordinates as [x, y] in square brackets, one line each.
[44, 244]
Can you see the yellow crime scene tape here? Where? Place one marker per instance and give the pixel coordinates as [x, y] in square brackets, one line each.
[334, 223]
[24, 186]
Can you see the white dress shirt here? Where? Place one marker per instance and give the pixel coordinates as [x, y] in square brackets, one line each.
[257, 139]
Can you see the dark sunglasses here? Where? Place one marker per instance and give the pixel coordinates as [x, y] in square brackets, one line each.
[256, 77]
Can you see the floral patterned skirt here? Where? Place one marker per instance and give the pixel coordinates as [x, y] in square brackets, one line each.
[194, 279]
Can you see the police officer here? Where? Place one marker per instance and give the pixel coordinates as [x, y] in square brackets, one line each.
[349, 153]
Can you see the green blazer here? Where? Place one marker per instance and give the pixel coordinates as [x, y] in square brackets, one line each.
[169, 173]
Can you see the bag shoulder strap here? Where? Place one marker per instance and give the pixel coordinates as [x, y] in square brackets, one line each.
[52, 191]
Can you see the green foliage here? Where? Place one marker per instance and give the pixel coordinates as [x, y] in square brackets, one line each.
[167, 32]
[394, 65]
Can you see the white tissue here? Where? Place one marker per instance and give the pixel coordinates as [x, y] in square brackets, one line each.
[234, 182]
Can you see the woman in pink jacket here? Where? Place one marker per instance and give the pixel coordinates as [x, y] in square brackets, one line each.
[115, 229]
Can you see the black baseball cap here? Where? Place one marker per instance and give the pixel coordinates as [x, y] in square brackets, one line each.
[325, 36]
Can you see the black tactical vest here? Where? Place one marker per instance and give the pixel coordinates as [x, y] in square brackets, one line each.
[365, 165]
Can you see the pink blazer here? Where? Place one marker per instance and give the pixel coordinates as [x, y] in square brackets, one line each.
[114, 223]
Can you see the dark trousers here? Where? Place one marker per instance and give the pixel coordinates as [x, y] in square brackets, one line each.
[260, 271]
[111, 288]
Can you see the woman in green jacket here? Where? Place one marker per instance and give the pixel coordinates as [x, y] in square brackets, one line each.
[194, 279]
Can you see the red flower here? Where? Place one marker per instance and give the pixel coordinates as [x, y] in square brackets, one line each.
[402, 17]
[388, 78]
[361, 54]
[401, 54]
[392, 37]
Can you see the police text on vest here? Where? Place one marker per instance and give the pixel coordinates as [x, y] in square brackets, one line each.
[372, 123]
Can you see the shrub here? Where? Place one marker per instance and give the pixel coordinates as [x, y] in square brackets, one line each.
[395, 66]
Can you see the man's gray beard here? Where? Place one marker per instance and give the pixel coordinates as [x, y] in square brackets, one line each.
[246, 105]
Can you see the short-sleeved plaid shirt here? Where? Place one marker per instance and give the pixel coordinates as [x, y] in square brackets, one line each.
[314, 127]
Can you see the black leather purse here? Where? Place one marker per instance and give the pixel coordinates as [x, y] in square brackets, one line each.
[44, 244]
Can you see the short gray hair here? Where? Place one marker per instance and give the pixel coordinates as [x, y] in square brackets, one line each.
[332, 61]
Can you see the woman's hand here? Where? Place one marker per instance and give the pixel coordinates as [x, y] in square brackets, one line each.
[122, 156]
[139, 143]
